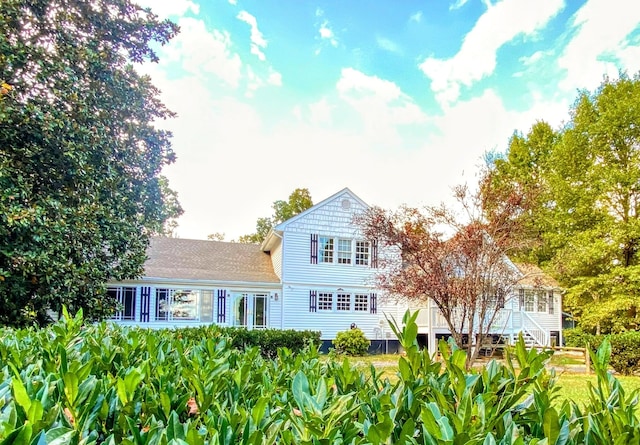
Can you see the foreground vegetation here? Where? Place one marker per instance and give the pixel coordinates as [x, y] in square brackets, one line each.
[79, 384]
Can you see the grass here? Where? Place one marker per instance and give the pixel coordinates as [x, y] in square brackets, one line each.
[572, 385]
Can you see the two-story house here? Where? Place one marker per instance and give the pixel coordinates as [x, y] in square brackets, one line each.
[314, 271]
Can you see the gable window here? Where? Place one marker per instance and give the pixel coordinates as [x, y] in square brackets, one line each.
[343, 302]
[325, 249]
[362, 253]
[344, 251]
[325, 301]
[125, 298]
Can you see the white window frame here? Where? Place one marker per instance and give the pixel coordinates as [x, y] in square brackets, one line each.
[332, 250]
[172, 305]
[325, 301]
[122, 292]
[343, 302]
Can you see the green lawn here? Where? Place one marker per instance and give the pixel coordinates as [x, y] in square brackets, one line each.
[572, 385]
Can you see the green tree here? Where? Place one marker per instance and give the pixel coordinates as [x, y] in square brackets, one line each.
[299, 201]
[80, 157]
[587, 212]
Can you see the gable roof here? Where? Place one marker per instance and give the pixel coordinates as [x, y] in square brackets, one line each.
[346, 190]
[274, 233]
[533, 276]
[187, 259]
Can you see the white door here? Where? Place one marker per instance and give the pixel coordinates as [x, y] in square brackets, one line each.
[250, 310]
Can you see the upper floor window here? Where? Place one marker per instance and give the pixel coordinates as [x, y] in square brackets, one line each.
[344, 251]
[363, 253]
[326, 249]
[125, 298]
[540, 301]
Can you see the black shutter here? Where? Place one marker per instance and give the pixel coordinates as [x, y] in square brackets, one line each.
[145, 303]
[222, 305]
[314, 248]
[374, 253]
[313, 301]
[552, 309]
[373, 303]
[521, 291]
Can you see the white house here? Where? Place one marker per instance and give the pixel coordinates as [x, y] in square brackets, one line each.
[314, 271]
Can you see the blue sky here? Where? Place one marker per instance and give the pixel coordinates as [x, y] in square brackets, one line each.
[397, 100]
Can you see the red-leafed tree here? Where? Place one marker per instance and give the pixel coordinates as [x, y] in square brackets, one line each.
[458, 259]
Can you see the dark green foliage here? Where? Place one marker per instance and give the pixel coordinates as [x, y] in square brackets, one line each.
[351, 342]
[268, 341]
[299, 201]
[625, 352]
[80, 157]
[89, 384]
[578, 338]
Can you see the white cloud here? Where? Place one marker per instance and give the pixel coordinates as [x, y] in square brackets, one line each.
[326, 33]
[203, 52]
[258, 41]
[388, 45]
[168, 8]
[476, 59]
[532, 59]
[233, 2]
[599, 44]
[416, 17]
[380, 104]
[457, 4]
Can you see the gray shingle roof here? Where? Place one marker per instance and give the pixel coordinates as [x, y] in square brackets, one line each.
[187, 259]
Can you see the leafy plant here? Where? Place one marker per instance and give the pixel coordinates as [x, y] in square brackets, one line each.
[351, 342]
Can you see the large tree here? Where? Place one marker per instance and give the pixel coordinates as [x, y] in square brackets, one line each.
[299, 201]
[457, 258]
[80, 156]
[587, 214]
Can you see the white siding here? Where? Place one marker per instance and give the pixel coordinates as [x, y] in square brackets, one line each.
[329, 323]
[276, 259]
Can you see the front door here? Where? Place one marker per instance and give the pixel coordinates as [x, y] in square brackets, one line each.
[250, 310]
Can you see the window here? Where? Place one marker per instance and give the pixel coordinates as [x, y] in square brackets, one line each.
[326, 249]
[343, 302]
[542, 301]
[552, 308]
[529, 299]
[325, 301]
[125, 298]
[361, 303]
[184, 304]
[344, 251]
[362, 253]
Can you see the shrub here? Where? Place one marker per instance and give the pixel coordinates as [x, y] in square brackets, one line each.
[578, 338]
[351, 342]
[268, 341]
[625, 352]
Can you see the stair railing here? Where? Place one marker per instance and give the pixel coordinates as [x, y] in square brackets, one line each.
[531, 327]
